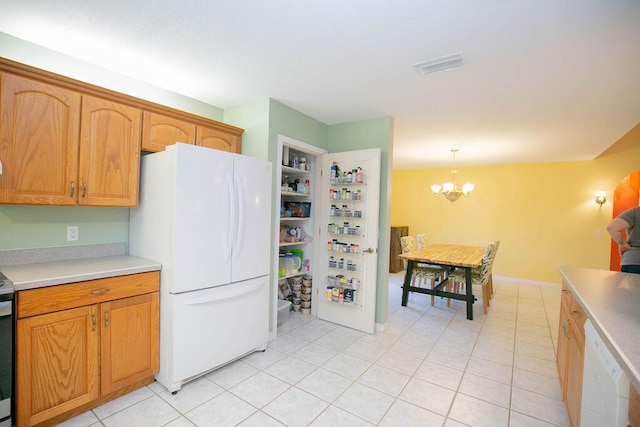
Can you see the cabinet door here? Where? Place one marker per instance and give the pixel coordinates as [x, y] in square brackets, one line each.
[563, 347]
[212, 138]
[129, 341]
[56, 363]
[109, 168]
[574, 377]
[634, 407]
[158, 131]
[38, 142]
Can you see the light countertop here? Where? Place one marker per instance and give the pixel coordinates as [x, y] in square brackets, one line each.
[36, 275]
[612, 301]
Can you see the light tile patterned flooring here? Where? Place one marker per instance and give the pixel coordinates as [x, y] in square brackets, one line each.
[430, 367]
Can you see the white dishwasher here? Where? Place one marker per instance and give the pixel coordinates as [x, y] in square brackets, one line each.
[605, 387]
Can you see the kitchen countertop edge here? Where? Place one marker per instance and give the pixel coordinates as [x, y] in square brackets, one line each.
[38, 275]
[616, 326]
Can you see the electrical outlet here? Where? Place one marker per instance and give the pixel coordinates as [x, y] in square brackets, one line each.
[73, 233]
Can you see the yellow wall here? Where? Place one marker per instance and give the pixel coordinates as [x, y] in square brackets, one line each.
[543, 214]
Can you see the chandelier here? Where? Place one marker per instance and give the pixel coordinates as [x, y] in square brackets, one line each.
[449, 189]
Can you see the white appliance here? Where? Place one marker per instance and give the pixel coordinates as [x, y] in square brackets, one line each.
[605, 386]
[205, 215]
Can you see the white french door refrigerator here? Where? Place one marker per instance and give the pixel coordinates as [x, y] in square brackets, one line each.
[205, 215]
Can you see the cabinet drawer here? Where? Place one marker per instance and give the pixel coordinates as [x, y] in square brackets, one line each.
[61, 297]
[578, 316]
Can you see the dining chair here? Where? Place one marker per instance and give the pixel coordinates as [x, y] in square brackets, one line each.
[495, 250]
[421, 240]
[480, 276]
[420, 271]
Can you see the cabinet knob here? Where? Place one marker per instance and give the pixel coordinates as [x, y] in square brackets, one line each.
[370, 251]
[575, 313]
[84, 188]
[73, 188]
[93, 322]
[106, 318]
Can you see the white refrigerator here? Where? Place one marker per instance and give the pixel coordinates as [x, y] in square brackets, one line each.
[205, 215]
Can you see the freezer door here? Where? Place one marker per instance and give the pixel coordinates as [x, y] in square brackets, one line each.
[202, 233]
[251, 246]
[212, 327]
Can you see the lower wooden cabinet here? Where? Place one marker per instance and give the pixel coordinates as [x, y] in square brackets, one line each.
[563, 346]
[72, 359]
[570, 357]
[634, 407]
[57, 363]
[128, 341]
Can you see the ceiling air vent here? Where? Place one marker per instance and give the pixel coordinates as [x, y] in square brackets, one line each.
[439, 64]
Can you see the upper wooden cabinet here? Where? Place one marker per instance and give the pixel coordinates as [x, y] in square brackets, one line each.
[212, 138]
[109, 168]
[65, 142]
[39, 130]
[62, 148]
[81, 344]
[159, 131]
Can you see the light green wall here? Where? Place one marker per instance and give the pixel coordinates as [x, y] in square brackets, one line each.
[294, 124]
[42, 226]
[373, 133]
[22, 51]
[283, 120]
[24, 227]
[254, 119]
[263, 121]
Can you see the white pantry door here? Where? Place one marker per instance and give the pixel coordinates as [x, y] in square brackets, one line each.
[347, 263]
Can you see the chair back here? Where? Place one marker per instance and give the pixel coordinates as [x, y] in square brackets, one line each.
[421, 240]
[408, 244]
[485, 266]
[494, 250]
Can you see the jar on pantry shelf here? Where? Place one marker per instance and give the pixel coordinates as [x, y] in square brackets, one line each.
[302, 164]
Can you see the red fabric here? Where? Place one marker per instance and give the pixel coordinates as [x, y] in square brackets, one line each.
[625, 196]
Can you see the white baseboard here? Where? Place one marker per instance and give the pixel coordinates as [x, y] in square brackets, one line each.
[526, 281]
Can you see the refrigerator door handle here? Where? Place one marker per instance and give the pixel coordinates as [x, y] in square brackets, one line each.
[240, 222]
[232, 218]
[223, 296]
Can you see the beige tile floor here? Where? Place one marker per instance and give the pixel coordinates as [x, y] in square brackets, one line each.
[430, 367]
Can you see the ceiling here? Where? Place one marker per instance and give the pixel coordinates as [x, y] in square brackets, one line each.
[543, 80]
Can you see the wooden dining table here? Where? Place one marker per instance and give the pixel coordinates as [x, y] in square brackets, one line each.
[449, 258]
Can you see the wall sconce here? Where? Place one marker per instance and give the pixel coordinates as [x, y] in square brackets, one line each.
[601, 197]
